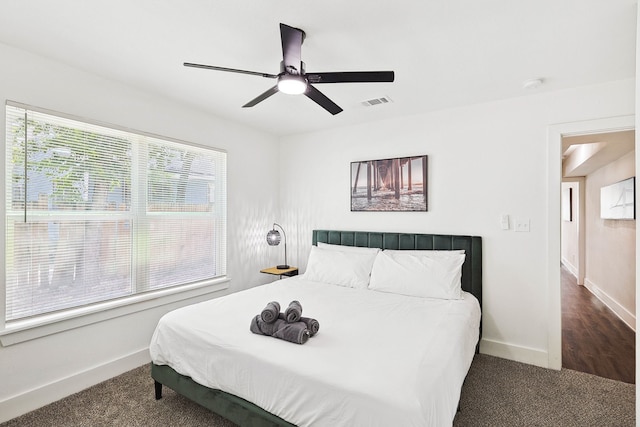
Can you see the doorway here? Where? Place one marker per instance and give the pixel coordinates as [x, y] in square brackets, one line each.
[598, 282]
[555, 135]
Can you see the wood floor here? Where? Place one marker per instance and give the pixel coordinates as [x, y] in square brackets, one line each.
[594, 339]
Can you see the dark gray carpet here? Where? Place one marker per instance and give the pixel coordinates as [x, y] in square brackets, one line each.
[496, 393]
[500, 392]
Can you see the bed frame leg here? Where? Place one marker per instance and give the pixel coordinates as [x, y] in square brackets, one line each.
[158, 390]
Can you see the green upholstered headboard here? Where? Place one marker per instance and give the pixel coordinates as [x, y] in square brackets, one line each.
[472, 245]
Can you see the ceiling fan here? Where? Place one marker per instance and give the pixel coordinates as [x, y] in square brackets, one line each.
[293, 79]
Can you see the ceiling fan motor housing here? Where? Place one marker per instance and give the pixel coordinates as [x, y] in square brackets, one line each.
[291, 69]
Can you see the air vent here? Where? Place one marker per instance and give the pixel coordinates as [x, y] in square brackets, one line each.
[377, 101]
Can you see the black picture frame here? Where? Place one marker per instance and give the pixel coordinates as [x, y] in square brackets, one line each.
[567, 204]
[398, 184]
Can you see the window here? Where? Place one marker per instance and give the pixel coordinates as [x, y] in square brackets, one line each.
[96, 213]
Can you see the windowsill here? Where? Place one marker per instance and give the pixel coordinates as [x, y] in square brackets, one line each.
[26, 330]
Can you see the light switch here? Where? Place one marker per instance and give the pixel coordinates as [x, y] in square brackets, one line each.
[522, 224]
[504, 221]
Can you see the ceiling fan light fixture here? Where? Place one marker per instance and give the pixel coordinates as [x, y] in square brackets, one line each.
[292, 84]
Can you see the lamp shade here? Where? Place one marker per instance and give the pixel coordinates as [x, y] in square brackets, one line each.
[273, 239]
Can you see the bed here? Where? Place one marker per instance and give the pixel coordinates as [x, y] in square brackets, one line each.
[360, 369]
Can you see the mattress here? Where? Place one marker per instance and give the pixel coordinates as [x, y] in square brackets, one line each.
[379, 359]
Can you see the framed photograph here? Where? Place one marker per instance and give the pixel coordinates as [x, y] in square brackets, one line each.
[398, 184]
[617, 201]
[567, 204]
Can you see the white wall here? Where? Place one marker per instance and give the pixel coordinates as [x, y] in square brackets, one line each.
[42, 370]
[484, 160]
[610, 254]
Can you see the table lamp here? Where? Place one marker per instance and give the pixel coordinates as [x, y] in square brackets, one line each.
[273, 239]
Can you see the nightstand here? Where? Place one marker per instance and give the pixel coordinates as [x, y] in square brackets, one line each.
[291, 271]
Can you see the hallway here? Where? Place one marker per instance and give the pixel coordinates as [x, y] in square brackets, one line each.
[594, 339]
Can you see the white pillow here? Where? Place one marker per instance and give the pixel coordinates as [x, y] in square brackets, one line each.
[350, 269]
[419, 275]
[344, 248]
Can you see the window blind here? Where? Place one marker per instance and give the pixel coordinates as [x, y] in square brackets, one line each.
[95, 212]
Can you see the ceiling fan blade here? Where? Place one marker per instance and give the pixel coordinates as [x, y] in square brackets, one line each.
[351, 77]
[231, 70]
[291, 48]
[320, 99]
[261, 97]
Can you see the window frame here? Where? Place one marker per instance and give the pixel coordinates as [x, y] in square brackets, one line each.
[21, 330]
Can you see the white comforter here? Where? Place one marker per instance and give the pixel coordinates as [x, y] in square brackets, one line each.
[379, 359]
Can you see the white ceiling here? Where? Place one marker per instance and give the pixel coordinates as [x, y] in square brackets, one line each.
[445, 53]
[584, 154]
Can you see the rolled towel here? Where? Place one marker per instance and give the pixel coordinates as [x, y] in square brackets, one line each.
[260, 327]
[296, 332]
[293, 313]
[270, 313]
[312, 324]
[254, 326]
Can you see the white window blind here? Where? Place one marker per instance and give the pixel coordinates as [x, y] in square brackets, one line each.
[95, 213]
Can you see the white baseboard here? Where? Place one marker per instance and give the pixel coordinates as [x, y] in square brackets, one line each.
[37, 398]
[625, 315]
[572, 268]
[517, 353]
